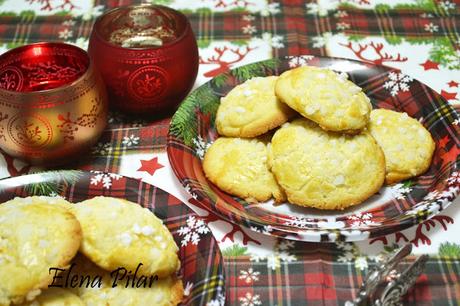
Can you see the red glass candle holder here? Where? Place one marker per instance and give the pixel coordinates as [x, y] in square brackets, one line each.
[147, 55]
[53, 104]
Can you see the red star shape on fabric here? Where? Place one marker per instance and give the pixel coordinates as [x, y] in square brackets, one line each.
[443, 141]
[448, 95]
[452, 84]
[150, 166]
[428, 65]
[451, 155]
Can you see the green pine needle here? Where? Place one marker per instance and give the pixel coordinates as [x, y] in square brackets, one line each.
[184, 122]
[450, 250]
[53, 182]
[162, 2]
[235, 250]
[407, 184]
[221, 79]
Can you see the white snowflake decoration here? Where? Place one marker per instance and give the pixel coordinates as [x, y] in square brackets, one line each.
[296, 61]
[315, 9]
[286, 245]
[219, 301]
[104, 178]
[456, 122]
[250, 300]
[340, 14]
[397, 82]
[344, 246]
[447, 5]
[361, 219]
[399, 191]
[94, 12]
[431, 27]
[301, 222]
[280, 254]
[451, 192]
[321, 40]
[201, 146]
[65, 34]
[248, 18]
[69, 23]
[266, 229]
[276, 41]
[432, 195]
[249, 29]
[81, 42]
[331, 223]
[130, 140]
[286, 257]
[192, 231]
[271, 9]
[102, 148]
[342, 26]
[189, 190]
[454, 178]
[345, 257]
[249, 276]
[361, 263]
[435, 201]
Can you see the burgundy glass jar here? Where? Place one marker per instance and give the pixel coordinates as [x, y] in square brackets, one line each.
[147, 55]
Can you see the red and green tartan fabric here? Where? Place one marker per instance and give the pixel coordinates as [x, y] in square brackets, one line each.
[297, 283]
[296, 273]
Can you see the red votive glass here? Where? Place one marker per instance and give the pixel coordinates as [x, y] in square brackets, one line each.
[147, 55]
[53, 103]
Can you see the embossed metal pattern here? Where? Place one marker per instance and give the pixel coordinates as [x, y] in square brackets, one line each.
[59, 107]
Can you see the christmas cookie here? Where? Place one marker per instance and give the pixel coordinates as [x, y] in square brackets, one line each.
[33, 237]
[56, 297]
[251, 109]
[407, 145]
[325, 97]
[323, 169]
[56, 201]
[239, 166]
[119, 233]
[109, 289]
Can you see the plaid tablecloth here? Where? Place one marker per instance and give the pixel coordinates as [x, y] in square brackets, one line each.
[420, 37]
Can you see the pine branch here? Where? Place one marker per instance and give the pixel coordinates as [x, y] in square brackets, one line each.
[53, 182]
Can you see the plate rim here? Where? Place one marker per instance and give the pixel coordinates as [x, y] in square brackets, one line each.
[381, 229]
[19, 182]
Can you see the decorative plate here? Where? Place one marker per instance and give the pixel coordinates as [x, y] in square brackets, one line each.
[198, 248]
[394, 208]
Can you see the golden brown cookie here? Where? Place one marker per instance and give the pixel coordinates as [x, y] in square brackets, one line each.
[406, 143]
[239, 166]
[251, 109]
[325, 97]
[119, 233]
[34, 236]
[325, 170]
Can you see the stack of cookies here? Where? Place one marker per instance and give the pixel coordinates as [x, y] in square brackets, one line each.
[39, 265]
[334, 153]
